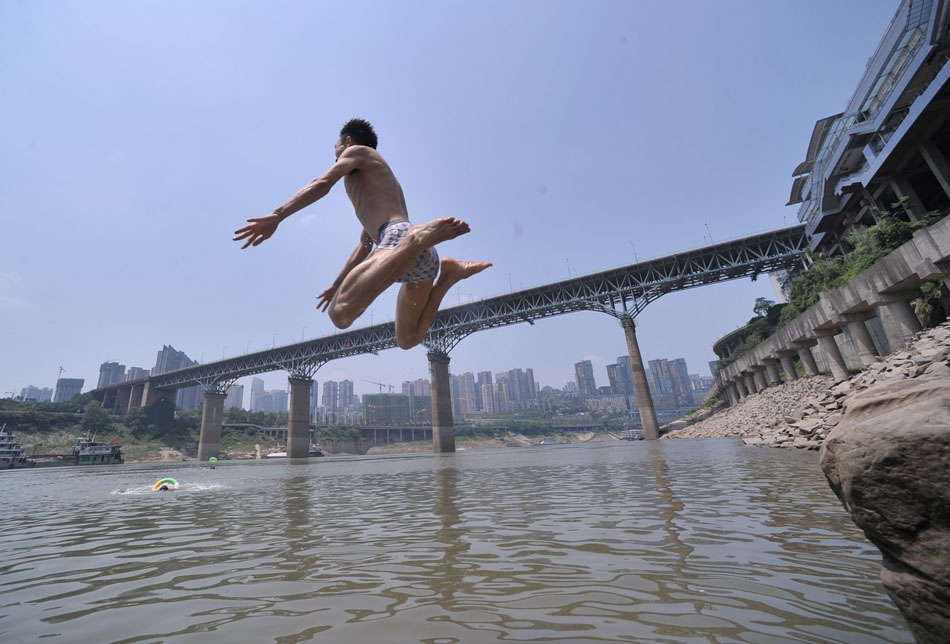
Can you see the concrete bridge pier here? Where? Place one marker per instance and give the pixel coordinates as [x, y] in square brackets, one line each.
[212, 416]
[298, 422]
[733, 393]
[443, 429]
[651, 429]
[135, 396]
[122, 400]
[108, 400]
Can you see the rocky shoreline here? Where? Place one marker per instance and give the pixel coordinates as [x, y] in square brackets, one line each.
[801, 413]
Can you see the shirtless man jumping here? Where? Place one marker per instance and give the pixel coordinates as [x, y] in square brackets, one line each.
[405, 253]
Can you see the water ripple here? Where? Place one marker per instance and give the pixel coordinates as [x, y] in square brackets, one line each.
[685, 541]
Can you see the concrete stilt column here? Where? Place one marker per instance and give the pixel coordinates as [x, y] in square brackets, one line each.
[443, 429]
[898, 319]
[212, 416]
[788, 365]
[808, 360]
[826, 340]
[298, 422]
[771, 371]
[733, 393]
[651, 429]
[938, 164]
[750, 384]
[863, 342]
[758, 373]
[135, 396]
[739, 382]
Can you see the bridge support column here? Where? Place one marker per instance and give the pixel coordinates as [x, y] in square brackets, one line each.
[443, 429]
[122, 400]
[867, 352]
[109, 400]
[298, 423]
[212, 417]
[826, 340]
[788, 365]
[808, 360]
[651, 429]
[135, 396]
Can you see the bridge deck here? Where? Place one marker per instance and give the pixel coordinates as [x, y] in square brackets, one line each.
[625, 290]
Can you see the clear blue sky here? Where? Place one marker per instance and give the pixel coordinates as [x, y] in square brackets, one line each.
[135, 136]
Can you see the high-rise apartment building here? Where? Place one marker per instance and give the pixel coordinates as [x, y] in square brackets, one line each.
[314, 400]
[235, 397]
[345, 395]
[488, 398]
[257, 390]
[66, 388]
[387, 409]
[136, 373]
[110, 373]
[36, 394]
[330, 395]
[584, 374]
[626, 375]
[168, 359]
[471, 401]
[615, 376]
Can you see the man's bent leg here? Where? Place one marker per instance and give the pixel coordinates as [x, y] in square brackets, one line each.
[381, 269]
[419, 302]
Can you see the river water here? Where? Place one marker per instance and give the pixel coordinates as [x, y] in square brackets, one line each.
[674, 541]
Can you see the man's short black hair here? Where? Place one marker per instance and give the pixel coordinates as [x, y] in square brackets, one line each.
[360, 131]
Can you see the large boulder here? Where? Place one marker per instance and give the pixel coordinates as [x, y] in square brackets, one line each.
[888, 460]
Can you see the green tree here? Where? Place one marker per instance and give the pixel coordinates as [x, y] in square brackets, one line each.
[762, 306]
[95, 419]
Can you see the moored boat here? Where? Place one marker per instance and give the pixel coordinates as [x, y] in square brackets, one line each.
[11, 452]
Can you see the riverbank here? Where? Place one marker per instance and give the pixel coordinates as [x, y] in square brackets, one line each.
[802, 412]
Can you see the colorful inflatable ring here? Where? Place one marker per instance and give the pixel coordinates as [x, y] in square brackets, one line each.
[170, 483]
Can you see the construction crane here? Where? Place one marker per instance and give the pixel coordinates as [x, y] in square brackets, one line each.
[380, 385]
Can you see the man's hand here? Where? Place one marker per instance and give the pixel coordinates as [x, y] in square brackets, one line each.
[324, 299]
[260, 229]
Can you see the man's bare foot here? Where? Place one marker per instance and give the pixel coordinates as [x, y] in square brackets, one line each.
[438, 231]
[452, 271]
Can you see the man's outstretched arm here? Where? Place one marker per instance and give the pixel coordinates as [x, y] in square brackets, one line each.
[260, 228]
[364, 248]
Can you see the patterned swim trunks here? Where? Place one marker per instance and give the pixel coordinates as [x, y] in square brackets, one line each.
[427, 266]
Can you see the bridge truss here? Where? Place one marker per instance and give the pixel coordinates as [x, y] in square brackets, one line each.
[620, 292]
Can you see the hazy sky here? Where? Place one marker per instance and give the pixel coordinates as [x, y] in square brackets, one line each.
[572, 136]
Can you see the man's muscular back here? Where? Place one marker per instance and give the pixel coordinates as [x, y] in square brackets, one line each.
[373, 189]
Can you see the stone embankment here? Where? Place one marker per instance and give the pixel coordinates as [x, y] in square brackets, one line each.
[801, 413]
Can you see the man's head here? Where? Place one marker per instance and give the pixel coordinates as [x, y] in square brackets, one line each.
[355, 132]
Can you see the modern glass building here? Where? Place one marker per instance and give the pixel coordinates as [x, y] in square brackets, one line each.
[891, 143]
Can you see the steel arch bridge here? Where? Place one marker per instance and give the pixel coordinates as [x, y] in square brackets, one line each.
[620, 292]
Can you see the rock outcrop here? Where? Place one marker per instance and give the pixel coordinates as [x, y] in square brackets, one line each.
[888, 460]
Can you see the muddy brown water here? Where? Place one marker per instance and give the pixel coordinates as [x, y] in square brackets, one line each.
[675, 541]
